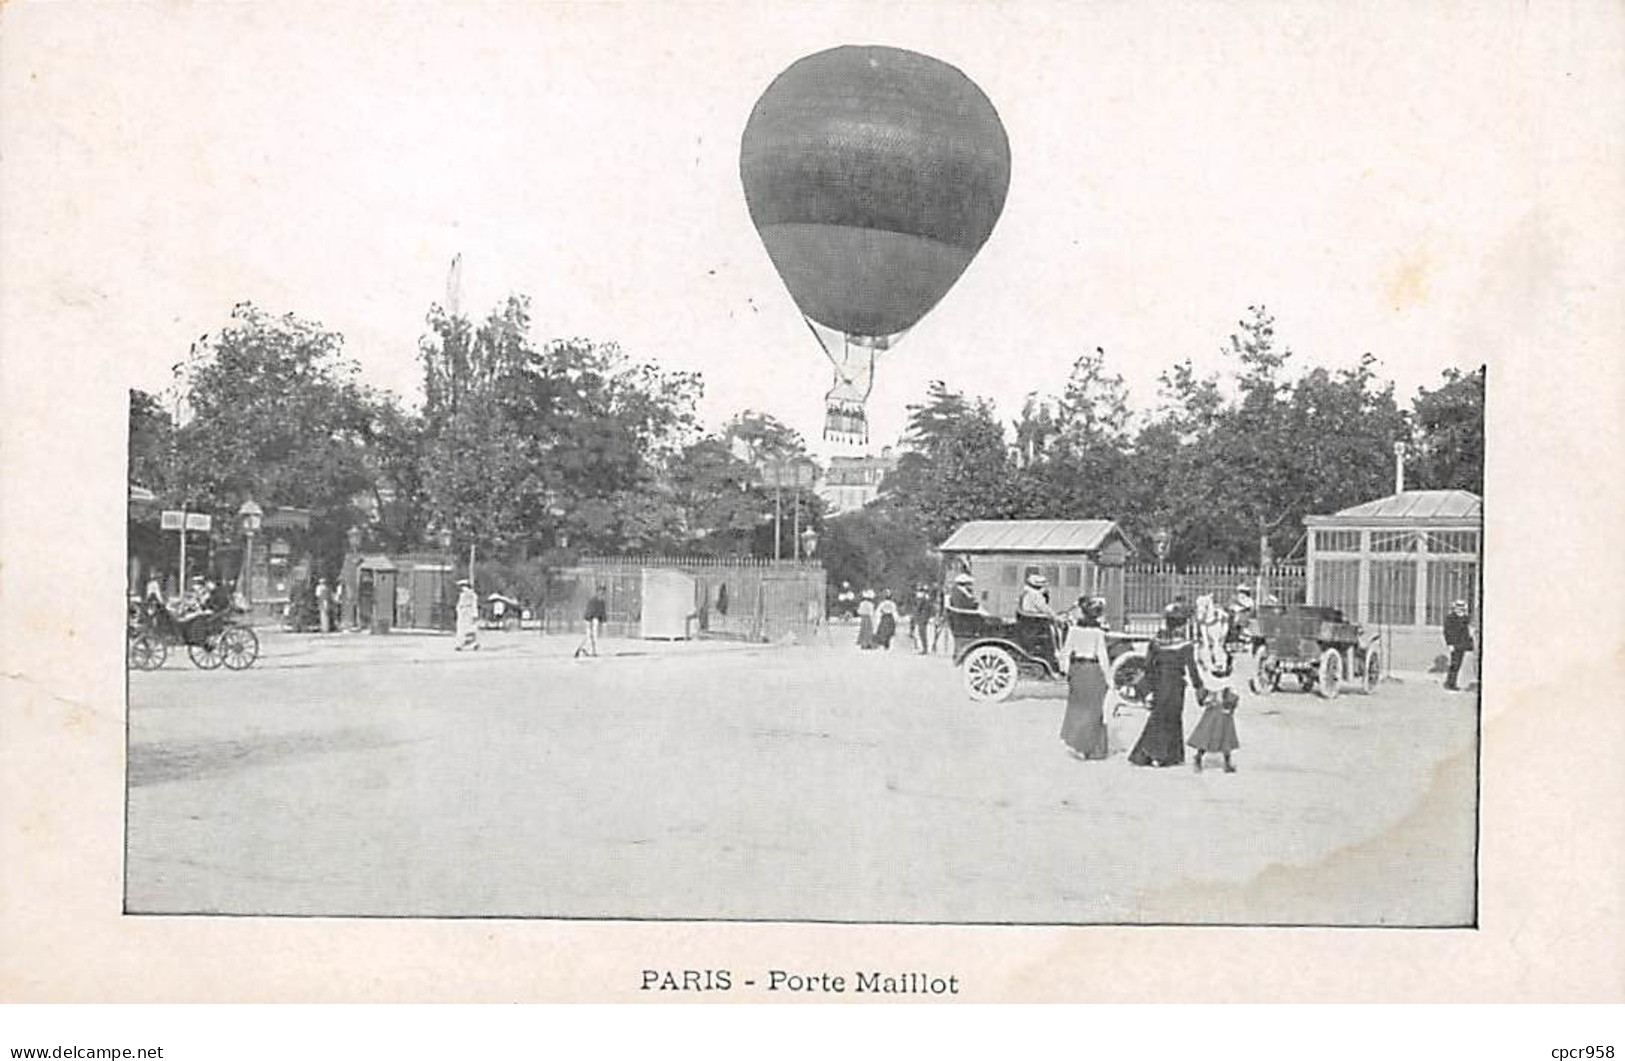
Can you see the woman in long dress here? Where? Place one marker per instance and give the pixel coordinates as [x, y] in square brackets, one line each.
[885, 620]
[1084, 726]
[1169, 662]
[866, 620]
[468, 614]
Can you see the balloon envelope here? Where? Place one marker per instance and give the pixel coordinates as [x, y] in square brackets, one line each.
[873, 175]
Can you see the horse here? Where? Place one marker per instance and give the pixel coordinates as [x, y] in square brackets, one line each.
[1211, 626]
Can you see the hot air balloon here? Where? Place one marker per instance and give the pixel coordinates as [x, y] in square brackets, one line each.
[873, 176]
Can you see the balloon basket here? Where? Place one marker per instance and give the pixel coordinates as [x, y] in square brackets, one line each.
[846, 422]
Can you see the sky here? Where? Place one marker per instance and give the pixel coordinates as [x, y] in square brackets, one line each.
[1365, 172]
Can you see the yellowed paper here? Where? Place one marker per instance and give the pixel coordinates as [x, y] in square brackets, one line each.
[1445, 181]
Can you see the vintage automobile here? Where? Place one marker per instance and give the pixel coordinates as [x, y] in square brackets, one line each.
[1317, 646]
[994, 653]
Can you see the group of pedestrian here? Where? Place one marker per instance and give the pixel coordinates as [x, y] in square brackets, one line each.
[1170, 670]
[879, 617]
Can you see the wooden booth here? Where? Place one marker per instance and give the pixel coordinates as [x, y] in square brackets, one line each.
[1080, 557]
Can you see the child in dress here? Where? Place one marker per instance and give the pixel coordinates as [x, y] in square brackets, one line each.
[1216, 732]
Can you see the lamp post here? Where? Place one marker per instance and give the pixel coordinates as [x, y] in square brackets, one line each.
[352, 579]
[251, 516]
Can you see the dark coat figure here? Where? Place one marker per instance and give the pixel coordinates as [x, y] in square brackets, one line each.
[1216, 732]
[1170, 661]
[1458, 634]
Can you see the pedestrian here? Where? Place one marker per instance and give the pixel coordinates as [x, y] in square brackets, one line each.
[1083, 728]
[468, 616]
[885, 620]
[324, 607]
[846, 603]
[594, 617]
[925, 609]
[1170, 660]
[1216, 731]
[338, 603]
[1458, 635]
[866, 620]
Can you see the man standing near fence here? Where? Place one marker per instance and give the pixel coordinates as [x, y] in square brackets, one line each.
[1458, 635]
[594, 617]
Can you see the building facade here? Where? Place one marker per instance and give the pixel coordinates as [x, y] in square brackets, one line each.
[853, 482]
[1395, 564]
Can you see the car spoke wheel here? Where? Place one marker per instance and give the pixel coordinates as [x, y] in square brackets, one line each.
[147, 652]
[1373, 670]
[1329, 679]
[239, 647]
[206, 656]
[989, 674]
[1268, 676]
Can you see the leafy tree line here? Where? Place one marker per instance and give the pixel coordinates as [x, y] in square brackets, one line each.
[533, 451]
[525, 451]
[1226, 464]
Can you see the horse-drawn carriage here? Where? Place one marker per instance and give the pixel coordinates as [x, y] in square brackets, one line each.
[211, 640]
[1318, 647]
[994, 653]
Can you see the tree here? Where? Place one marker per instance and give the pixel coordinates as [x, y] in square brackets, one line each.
[955, 467]
[876, 547]
[276, 412]
[152, 441]
[530, 447]
[1449, 433]
[1083, 467]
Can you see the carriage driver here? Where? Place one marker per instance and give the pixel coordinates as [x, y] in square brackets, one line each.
[962, 595]
[1034, 612]
[1240, 610]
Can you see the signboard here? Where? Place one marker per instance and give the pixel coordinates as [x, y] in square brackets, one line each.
[194, 521]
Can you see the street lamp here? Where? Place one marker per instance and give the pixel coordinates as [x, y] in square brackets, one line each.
[252, 517]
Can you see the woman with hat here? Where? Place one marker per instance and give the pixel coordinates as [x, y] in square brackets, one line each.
[1084, 726]
[1170, 661]
[866, 620]
[468, 614]
[1034, 612]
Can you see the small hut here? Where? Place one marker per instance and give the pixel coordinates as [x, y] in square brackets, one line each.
[1397, 563]
[1080, 557]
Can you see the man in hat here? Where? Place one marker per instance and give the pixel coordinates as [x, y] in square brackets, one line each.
[1458, 634]
[468, 616]
[1033, 611]
[925, 609]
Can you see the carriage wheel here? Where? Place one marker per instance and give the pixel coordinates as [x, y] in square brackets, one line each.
[1329, 678]
[239, 647]
[1124, 677]
[1373, 670]
[206, 656]
[1267, 678]
[989, 674]
[148, 652]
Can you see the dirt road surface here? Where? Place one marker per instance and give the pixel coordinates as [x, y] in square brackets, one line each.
[359, 776]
